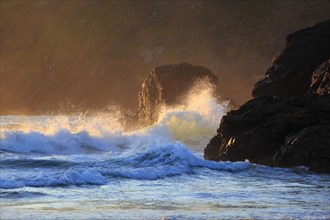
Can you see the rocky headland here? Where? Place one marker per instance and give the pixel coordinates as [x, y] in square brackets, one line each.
[287, 124]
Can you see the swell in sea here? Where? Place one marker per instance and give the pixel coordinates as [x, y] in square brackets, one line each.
[83, 167]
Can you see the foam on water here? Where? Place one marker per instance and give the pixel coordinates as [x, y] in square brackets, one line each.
[157, 158]
[161, 150]
[194, 122]
[89, 167]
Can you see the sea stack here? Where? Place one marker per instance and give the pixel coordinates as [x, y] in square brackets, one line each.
[167, 85]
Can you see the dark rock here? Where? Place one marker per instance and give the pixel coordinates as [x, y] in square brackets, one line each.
[264, 131]
[168, 85]
[309, 147]
[288, 124]
[291, 71]
[321, 79]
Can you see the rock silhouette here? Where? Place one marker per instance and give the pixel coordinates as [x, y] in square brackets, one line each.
[167, 85]
[287, 124]
[291, 71]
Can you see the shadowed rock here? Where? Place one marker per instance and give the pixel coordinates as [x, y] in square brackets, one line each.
[291, 71]
[308, 147]
[167, 85]
[321, 79]
[290, 127]
[269, 126]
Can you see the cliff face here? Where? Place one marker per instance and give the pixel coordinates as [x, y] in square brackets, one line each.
[287, 131]
[167, 85]
[291, 71]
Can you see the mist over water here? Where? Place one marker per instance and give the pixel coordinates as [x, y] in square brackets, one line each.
[85, 167]
[93, 53]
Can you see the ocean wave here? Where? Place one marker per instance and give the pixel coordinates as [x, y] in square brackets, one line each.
[62, 142]
[83, 150]
[71, 177]
[192, 123]
[146, 163]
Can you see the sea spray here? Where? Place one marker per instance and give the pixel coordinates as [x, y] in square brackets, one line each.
[100, 146]
[79, 169]
[192, 123]
[195, 121]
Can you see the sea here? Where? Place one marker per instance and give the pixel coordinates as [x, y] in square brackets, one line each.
[88, 166]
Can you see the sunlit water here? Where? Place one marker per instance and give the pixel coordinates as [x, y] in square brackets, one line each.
[88, 167]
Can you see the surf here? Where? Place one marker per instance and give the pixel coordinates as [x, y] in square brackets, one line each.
[192, 123]
[76, 149]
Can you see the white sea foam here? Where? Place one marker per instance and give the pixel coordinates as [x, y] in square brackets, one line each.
[161, 150]
[154, 161]
[192, 123]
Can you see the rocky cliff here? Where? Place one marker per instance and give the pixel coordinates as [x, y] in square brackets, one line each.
[290, 126]
[291, 71]
[167, 85]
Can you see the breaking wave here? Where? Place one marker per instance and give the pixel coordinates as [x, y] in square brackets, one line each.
[146, 164]
[79, 150]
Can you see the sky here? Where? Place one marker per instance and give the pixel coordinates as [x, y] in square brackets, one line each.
[92, 54]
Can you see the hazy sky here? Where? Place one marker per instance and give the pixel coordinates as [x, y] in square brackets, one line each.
[96, 53]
